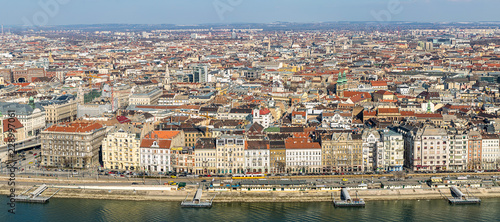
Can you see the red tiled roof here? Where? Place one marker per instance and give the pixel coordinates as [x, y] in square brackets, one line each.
[264, 111]
[384, 92]
[75, 127]
[162, 143]
[428, 115]
[123, 119]
[354, 93]
[164, 134]
[294, 113]
[407, 113]
[369, 113]
[301, 134]
[8, 124]
[378, 83]
[23, 84]
[388, 110]
[388, 100]
[357, 98]
[300, 143]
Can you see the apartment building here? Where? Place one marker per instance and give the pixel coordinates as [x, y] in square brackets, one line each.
[205, 156]
[490, 151]
[257, 156]
[277, 153]
[72, 144]
[156, 148]
[155, 155]
[391, 156]
[426, 148]
[474, 150]
[302, 156]
[121, 148]
[230, 154]
[183, 160]
[32, 117]
[458, 150]
[262, 117]
[149, 97]
[62, 109]
[342, 152]
[371, 146]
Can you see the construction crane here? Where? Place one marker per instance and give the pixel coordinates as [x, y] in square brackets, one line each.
[91, 77]
[223, 91]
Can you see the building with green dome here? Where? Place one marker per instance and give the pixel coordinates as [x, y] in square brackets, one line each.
[341, 84]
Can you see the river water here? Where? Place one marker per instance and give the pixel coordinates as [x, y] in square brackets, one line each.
[118, 210]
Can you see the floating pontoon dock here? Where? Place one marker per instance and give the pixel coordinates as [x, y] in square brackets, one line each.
[197, 202]
[457, 197]
[34, 196]
[347, 201]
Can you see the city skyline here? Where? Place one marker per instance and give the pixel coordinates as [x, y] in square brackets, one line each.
[66, 12]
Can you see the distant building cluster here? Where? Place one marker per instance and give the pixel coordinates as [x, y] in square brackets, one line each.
[275, 102]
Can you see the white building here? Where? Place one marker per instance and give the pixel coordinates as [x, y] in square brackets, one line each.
[336, 120]
[391, 156]
[302, 156]
[257, 157]
[490, 151]
[427, 107]
[371, 143]
[155, 155]
[239, 114]
[32, 118]
[403, 89]
[262, 117]
[458, 151]
[146, 98]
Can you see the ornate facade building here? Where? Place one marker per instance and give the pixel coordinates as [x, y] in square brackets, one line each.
[342, 85]
[72, 144]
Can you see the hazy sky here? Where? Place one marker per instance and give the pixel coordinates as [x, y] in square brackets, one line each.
[185, 12]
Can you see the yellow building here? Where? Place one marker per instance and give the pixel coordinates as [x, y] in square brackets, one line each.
[341, 152]
[120, 148]
[56, 113]
[205, 156]
[192, 135]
